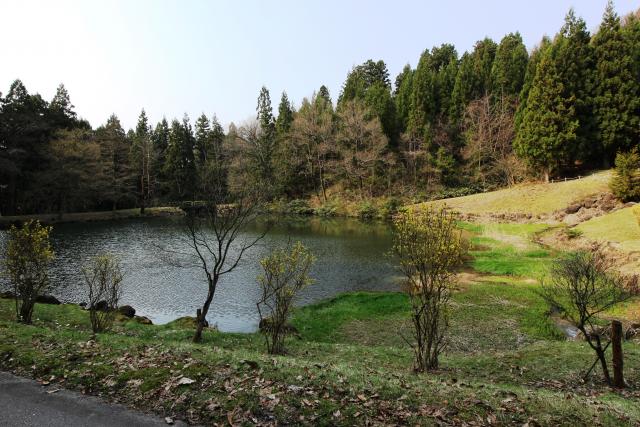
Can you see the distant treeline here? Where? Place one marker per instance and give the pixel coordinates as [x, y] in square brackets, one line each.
[455, 124]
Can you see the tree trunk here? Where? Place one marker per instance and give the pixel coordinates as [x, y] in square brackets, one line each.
[616, 345]
[603, 360]
[201, 316]
[26, 311]
[546, 175]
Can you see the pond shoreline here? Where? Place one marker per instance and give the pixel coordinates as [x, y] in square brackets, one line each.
[79, 217]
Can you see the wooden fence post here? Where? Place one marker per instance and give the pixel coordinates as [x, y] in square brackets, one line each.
[616, 345]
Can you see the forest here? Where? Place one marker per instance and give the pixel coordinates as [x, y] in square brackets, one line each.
[453, 125]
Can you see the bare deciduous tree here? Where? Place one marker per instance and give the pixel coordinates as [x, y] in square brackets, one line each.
[286, 273]
[312, 135]
[581, 286]
[103, 277]
[363, 144]
[429, 248]
[488, 127]
[213, 232]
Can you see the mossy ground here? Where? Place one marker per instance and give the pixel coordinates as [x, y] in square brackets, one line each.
[506, 362]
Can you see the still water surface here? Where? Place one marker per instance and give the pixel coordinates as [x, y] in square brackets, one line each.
[351, 255]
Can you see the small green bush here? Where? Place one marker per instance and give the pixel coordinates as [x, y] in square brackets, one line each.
[625, 183]
[327, 210]
[391, 207]
[572, 233]
[366, 211]
[299, 207]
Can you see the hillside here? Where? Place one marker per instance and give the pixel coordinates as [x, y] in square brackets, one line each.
[537, 199]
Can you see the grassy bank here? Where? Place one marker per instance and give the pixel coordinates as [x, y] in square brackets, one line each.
[6, 221]
[506, 362]
[531, 198]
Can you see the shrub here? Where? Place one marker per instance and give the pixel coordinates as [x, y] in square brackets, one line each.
[286, 273]
[27, 257]
[572, 233]
[328, 209]
[366, 211]
[391, 207]
[299, 207]
[103, 277]
[625, 183]
[581, 286]
[430, 248]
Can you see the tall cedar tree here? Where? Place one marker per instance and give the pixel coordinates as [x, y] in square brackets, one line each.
[547, 135]
[509, 66]
[616, 91]
[530, 74]
[402, 98]
[285, 116]
[574, 57]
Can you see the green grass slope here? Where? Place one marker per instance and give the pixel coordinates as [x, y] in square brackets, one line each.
[530, 198]
[621, 227]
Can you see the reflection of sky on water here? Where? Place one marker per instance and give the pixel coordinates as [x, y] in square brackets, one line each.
[350, 256]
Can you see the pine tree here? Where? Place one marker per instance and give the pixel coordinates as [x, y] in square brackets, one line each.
[180, 166]
[142, 159]
[203, 140]
[118, 187]
[547, 134]
[616, 91]
[509, 66]
[160, 140]
[61, 109]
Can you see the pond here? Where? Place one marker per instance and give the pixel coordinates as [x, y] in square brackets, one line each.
[351, 256]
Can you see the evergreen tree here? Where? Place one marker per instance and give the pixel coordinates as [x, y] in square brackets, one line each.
[547, 134]
[203, 141]
[142, 159]
[466, 87]
[423, 106]
[263, 150]
[180, 166]
[117, 188]
[509, 66]
[402, 97]
[61, 109]
[484, 54]
[213, 174]
[285, 116]
[573, 56]
[530, 74]
[323, 93]
[369, 82]
[160, 140]
[616, 91]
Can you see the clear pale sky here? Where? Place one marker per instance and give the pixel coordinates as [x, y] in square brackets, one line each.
[172, 56]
